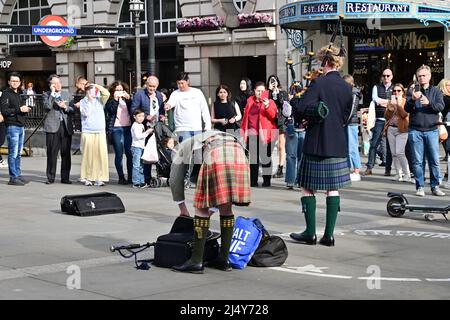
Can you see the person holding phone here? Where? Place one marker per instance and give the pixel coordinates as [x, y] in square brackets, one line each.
[397, 120]
[119, 119]
[259, 130]
[58, 127]
[424, 103]
[14, 111]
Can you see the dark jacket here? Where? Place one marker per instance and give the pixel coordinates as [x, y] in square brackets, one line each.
[327, 138]
[111, 112]
[425, 118]
[446, 108]
[142, 100]
[10, 103]
[355, 106]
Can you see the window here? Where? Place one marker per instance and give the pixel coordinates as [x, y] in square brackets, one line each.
[85, 6]
[28, 12]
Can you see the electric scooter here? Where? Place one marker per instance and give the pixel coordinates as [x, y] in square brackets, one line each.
[398, 204]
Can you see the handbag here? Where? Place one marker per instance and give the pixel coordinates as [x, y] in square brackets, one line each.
[271, 252]
[150, 154]
[443, 134]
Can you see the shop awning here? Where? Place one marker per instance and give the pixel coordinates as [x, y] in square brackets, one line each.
[307, 15]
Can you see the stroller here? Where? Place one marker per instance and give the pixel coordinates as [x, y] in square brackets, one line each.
[165, 161]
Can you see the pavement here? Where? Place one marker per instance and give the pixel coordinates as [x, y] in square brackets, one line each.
[46, 254]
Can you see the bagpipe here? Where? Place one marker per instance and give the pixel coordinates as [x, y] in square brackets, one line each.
[313, 114]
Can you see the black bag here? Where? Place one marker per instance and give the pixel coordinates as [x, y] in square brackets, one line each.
[92, 204]
[271, 252]
[175, 248]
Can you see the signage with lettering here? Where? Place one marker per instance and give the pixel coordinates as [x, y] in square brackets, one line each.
[5, 64]
[105, 31]
[349, 29]
[53, 31]
[288, 12]
[363, 7]
[319, 8]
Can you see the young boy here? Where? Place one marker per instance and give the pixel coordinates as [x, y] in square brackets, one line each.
[138, 134]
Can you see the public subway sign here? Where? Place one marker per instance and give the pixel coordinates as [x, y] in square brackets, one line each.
[363, 7]
[53, 31]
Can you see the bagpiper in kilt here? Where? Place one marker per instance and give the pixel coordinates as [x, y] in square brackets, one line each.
[224, 180]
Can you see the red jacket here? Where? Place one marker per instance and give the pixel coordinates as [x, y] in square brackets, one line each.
[268, 130]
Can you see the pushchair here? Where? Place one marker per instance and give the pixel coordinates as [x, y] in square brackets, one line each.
[164, 161]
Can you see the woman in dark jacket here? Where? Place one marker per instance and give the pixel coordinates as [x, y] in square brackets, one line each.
[245, 92]
[324, 164]
[119, 119]
[279, 96]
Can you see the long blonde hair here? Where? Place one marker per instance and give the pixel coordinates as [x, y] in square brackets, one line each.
[443, 86]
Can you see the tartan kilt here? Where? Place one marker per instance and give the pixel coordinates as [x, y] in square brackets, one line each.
[319, 173]
[224, 177]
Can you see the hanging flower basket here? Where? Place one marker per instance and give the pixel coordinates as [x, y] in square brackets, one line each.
[255, 19]
[200, 24]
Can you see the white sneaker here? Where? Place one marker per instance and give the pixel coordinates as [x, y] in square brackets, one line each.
[446, 186]
[408, 179]
[420, 192]
[397, 178]
[355, 177]
[99, 183]
[87, 183]
[3, 164]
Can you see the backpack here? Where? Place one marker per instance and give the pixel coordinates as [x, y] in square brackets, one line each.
[271, 252]
[247, 234]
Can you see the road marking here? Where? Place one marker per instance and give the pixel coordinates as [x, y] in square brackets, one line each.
[58, 267]
[310, 273]
[390, 279]
[438, 280]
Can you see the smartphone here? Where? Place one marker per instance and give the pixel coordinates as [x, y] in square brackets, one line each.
[265, 94]
[120, 93]
[416, 87]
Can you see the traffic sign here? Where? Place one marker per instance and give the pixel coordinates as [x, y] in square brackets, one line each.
[55, 34]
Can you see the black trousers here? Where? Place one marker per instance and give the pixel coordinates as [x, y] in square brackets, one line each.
[60, 141]
[259, 153]
[2, 135]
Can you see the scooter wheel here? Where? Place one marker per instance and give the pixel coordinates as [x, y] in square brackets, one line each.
[394, 208]
[153, 183]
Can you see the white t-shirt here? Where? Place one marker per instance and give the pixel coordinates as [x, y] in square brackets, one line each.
[190, 108]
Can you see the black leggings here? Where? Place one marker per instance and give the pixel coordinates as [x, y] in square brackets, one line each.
[259, 153]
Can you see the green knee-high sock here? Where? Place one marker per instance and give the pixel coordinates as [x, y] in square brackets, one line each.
[309, 209]
[226, 230]
[201, 227]
[332, 211]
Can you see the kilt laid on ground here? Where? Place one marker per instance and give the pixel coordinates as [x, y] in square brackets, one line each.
[224, 175]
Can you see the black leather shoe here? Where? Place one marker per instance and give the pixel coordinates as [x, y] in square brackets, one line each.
[327, 241]
[304, 238]
[66, 182]
[49, 181]
[220, 265]
[123, 182]
[254, 185]
[189, 267]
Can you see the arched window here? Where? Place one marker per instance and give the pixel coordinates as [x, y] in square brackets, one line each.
[28, 12]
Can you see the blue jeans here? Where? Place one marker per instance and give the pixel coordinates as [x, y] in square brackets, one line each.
[294, 148]
[425, 144]
[377, 131]
[138, 168]
[15, 136]
[121, 140]
[353, 147]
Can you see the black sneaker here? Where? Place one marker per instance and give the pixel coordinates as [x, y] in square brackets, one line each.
[22, 179]
[15, 182]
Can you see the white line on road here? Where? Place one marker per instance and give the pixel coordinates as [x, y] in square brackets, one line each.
[390, 279]
[311, 273]
[58, 267]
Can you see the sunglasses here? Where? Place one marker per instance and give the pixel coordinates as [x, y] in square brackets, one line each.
[386, 75]
[397, 90]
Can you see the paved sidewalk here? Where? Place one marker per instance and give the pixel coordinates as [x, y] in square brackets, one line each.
[376, 256]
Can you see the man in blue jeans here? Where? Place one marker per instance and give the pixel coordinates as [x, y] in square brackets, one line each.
[14, 111]
[423, 103]
[381, 93]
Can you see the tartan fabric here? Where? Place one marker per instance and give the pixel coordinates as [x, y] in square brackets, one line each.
[224, 177]
[318, 173]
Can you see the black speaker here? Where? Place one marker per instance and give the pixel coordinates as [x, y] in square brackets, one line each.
[92, 204]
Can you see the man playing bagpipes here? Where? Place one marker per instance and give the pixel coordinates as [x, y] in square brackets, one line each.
[325, 106]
